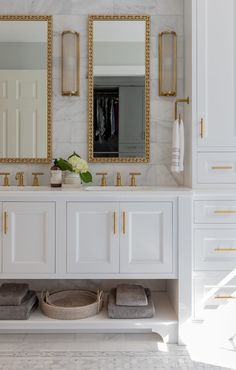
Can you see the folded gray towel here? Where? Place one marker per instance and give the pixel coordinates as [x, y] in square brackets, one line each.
[130, 312]
[12, 294]
[21, 312]
[131, 295]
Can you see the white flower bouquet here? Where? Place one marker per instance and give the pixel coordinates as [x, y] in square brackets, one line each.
[75, 164]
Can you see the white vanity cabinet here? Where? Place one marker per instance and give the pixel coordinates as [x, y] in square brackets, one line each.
[28, 237]
[125, 237]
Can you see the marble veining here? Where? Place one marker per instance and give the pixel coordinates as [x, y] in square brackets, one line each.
[70, 114]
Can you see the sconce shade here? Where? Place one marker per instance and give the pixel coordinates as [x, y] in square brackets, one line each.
[167, 63]
[70, 63]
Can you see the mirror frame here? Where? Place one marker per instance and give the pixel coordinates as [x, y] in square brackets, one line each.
[48, 19]
[146, 157]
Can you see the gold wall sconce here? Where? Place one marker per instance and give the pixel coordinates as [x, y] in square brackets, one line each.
[167, 51]
[70, 63]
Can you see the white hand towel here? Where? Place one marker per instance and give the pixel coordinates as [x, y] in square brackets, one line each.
[181, 146]
[177, 160]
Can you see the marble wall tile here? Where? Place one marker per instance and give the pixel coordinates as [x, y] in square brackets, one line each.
[169, 7]
[70, 113]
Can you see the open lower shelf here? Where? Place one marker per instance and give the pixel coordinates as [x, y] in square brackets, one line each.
[164, 322]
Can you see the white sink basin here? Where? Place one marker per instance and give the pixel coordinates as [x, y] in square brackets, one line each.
[119, 188]
[24, 188]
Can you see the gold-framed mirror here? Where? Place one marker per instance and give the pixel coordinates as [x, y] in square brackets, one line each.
[119, 88]
[25, 88]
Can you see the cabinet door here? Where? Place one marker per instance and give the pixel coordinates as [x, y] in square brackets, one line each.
[29, 237]
[146, 238]
[92, 237]
[216, 78]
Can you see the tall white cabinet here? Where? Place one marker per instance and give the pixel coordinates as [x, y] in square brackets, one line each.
[214, 92]
[210, 31]
[216, 78]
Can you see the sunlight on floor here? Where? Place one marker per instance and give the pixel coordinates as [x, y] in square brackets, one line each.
[162, 347]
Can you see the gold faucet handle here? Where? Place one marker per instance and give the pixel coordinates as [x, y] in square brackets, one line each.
[103, 179]
[35, 178]
[133, 178]
[6, 179]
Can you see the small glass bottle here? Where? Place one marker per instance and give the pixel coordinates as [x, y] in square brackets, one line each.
[55, 175]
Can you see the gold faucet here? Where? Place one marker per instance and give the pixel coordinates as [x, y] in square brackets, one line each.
[35, 178]
[118, 179]
[20, 178]
[103, 179]
[133, 179]
[6, 179]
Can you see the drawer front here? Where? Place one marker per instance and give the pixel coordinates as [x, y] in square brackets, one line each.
[216, 168]
[211, 293]
[214, 249]
[215, 212]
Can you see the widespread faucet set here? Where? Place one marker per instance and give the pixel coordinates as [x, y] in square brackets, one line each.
[118, 178]
[20, 178]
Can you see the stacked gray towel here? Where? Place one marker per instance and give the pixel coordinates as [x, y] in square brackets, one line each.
[129, 301]
[16, 301]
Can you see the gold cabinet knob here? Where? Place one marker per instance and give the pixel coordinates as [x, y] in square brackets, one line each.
[133, 178]
[35, 178]
[6, 178]
[103, 179]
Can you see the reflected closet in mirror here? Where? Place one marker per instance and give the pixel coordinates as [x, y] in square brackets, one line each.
[25, 88]
[119, 99]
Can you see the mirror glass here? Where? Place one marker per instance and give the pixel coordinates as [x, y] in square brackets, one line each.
[119, 89]
[25, 79]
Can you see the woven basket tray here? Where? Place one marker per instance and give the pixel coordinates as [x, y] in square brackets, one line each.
[71, 304]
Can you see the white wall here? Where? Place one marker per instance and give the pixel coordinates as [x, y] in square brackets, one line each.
[70, 113]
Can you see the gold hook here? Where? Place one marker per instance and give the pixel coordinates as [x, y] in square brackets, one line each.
[187, 100]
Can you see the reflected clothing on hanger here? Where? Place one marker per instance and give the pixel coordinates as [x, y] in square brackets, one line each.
[105, 116]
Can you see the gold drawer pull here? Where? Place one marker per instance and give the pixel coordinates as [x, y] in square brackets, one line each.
[5, 222]
[114, 223]
[225, 212]
[225, 249]
[222, 167]
[202, 128]
[225, 297]
[124, 222]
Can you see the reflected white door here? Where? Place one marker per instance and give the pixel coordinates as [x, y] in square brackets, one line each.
[23, 114]
[29, 237]
[92, 237]
[146, 238]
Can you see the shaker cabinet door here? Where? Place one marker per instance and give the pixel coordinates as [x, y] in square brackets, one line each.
[216, 82]
[146, 238]
[28, 237]
[92, 237]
